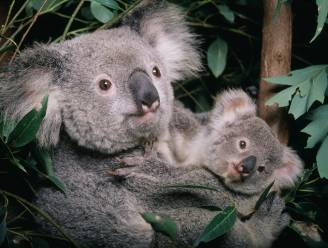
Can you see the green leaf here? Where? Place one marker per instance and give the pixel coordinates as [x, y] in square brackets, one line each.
[298, 106]
[37, 4]
[7, 128]
[3, 225]
[226, 12]
[319, 113]
[317, 130]
[190, 186]
[162, 224]
[217, 56]
[220, 224]
[27, 128]
[322, 159]
[322, 17]
[5, 150]
[52, 178]
[297, 76]
[318, 89]
[44, 160]
[100, 12]
[109, 3]
[283, 97]
[57, 183]
[263, 196]
[310, 85]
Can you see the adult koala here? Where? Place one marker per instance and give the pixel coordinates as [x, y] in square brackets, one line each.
[110, 91]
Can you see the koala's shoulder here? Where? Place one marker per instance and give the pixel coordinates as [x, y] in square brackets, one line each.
[184, 120]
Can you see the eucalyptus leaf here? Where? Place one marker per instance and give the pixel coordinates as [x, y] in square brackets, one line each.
[100, 12]
[43, 158]
[162, 224]
[322, 159]
[109, 3]
[27, 128]
[317, 129]
[298, 76]
[307, 85]
[263, 196]
[219, 225]
[47, 4]
[319, 113]
[322, 17]
[283, 97]
[298, 106]
[226, 12]
[57, 183]
[318, 89]
[217, 56]
[6, 151]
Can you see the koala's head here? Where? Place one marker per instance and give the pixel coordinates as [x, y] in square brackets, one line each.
[243, 150]
[111, 89]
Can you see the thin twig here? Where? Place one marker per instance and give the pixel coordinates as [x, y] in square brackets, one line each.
[42, 213]
[120, 16]
[27, 31]
[70, 21]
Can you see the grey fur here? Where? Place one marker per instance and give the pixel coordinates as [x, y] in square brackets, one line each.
[99, 210]
[88, 126]
[67, 72]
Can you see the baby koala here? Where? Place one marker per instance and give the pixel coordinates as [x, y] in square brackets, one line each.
[233, 143]
[242, 150]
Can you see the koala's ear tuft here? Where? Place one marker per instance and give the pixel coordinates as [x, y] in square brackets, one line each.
[163, 26]
[292, 168]
[23, 85]
[232, 105]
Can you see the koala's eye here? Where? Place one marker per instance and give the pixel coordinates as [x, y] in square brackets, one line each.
[242, 144]
[105, 84]
[260, 168]
[156, 72]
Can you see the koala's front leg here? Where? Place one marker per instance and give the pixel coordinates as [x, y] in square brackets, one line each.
[263, 227]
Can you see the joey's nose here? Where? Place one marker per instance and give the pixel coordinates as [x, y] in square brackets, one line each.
[144, 92]
[248, 164]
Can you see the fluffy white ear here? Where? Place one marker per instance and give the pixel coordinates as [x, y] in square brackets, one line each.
[25, 83]
[163, 26]
[292, 167]
[230, 106]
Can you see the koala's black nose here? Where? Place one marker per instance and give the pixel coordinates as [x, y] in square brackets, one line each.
[144, 92]
[248, 164]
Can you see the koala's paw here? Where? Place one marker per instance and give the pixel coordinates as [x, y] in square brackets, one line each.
[132, 160]
[271, 212]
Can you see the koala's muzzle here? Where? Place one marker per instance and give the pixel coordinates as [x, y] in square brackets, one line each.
[144, 92]
[247, 165]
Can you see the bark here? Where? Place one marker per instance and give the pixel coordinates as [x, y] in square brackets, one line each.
[275, 61]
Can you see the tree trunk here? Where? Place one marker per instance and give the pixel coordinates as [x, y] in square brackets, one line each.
[275, 61]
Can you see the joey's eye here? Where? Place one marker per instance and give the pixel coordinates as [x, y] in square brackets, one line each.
[105, 84]
[156, 72]
[242, 144]
[260, 168]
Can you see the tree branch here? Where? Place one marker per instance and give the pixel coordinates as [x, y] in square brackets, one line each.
[275, 61]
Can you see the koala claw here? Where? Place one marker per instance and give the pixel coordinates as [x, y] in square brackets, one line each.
[131, 160]
[120, 174]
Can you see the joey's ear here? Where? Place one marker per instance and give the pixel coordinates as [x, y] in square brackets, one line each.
[33, 75]
[163, 26]
[292, 167]
[230, 106]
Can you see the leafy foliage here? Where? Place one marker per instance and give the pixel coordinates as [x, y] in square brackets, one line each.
[322, 17]
[162, 224]
[220, 224]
